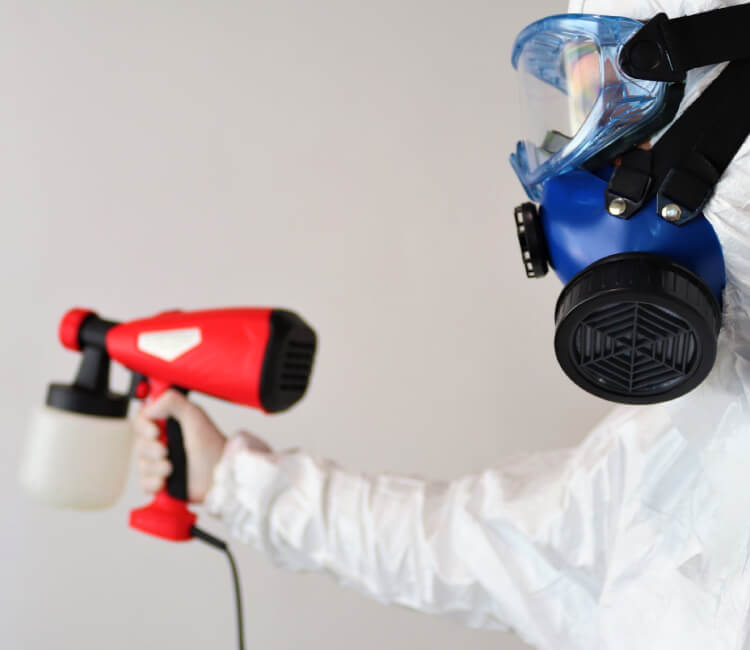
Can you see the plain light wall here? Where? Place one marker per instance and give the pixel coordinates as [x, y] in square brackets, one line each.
[347, 161]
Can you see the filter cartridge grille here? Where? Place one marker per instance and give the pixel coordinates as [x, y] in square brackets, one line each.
[637, 328]
[636, 348]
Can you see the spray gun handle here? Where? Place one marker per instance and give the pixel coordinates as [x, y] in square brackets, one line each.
[168, 515]
[171, 436]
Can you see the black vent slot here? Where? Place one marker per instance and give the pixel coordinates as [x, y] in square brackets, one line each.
[297, 366]
[288, 363]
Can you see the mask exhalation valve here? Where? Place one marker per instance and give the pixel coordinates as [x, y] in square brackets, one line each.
[637, 328]
[531, 239]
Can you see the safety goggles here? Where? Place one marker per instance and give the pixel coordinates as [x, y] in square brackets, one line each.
[578, 106]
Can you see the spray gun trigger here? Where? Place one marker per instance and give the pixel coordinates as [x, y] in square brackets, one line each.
[139, 387]
[142, 390]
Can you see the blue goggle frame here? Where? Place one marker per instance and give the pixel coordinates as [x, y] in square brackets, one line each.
[623, 111]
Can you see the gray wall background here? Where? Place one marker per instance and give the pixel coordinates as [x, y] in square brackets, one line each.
[348, 161]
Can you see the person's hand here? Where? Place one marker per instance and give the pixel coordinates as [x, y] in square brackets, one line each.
[204, 444]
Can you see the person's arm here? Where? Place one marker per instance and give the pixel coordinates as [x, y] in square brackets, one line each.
[525, 545]
[539, 544]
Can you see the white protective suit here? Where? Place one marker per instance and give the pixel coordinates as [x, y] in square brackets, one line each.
[638, 538]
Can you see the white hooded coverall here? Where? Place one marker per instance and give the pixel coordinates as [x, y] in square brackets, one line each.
[639, 538]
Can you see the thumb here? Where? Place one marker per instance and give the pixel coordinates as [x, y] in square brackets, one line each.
[170, 404]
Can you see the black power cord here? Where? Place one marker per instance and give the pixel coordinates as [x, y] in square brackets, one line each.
[222, 546]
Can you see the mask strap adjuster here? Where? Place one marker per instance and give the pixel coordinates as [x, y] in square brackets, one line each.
[686, 190]
[665, 49]
[630, 184]
[651, 52]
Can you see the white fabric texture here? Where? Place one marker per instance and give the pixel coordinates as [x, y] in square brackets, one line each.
[637, 538]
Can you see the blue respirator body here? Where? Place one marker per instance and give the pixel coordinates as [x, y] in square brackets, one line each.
[620, 222]
[640, 313]
[579, 232]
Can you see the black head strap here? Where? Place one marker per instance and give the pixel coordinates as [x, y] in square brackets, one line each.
[686, 164]
[664, 49]
[688, 161]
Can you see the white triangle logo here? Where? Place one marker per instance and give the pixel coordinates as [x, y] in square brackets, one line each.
[169, 345]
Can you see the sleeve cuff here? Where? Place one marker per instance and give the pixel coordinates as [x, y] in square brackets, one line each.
[245, 480]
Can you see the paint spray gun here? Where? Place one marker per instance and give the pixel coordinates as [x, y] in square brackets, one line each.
[78, 451]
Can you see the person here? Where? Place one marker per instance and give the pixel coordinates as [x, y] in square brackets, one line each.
[637, 538]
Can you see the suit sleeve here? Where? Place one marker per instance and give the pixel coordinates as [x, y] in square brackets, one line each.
[524, 545]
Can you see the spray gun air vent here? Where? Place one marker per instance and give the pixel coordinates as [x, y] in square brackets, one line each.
[288, 363]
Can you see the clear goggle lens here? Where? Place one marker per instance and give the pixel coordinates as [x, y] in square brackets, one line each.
[583, 73]
[561, 82]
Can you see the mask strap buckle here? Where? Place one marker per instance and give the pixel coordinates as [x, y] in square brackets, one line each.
[630, 184]
[686, 190]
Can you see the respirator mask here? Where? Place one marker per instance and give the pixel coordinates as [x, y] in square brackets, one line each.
[619, 221]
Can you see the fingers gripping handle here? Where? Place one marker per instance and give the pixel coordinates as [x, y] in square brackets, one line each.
[168, 516]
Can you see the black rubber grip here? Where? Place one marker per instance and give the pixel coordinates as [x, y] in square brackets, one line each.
[177, 480]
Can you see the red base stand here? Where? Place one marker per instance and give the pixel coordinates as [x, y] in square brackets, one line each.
[164, 517]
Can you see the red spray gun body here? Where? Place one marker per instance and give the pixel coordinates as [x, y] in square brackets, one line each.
[260, 358]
